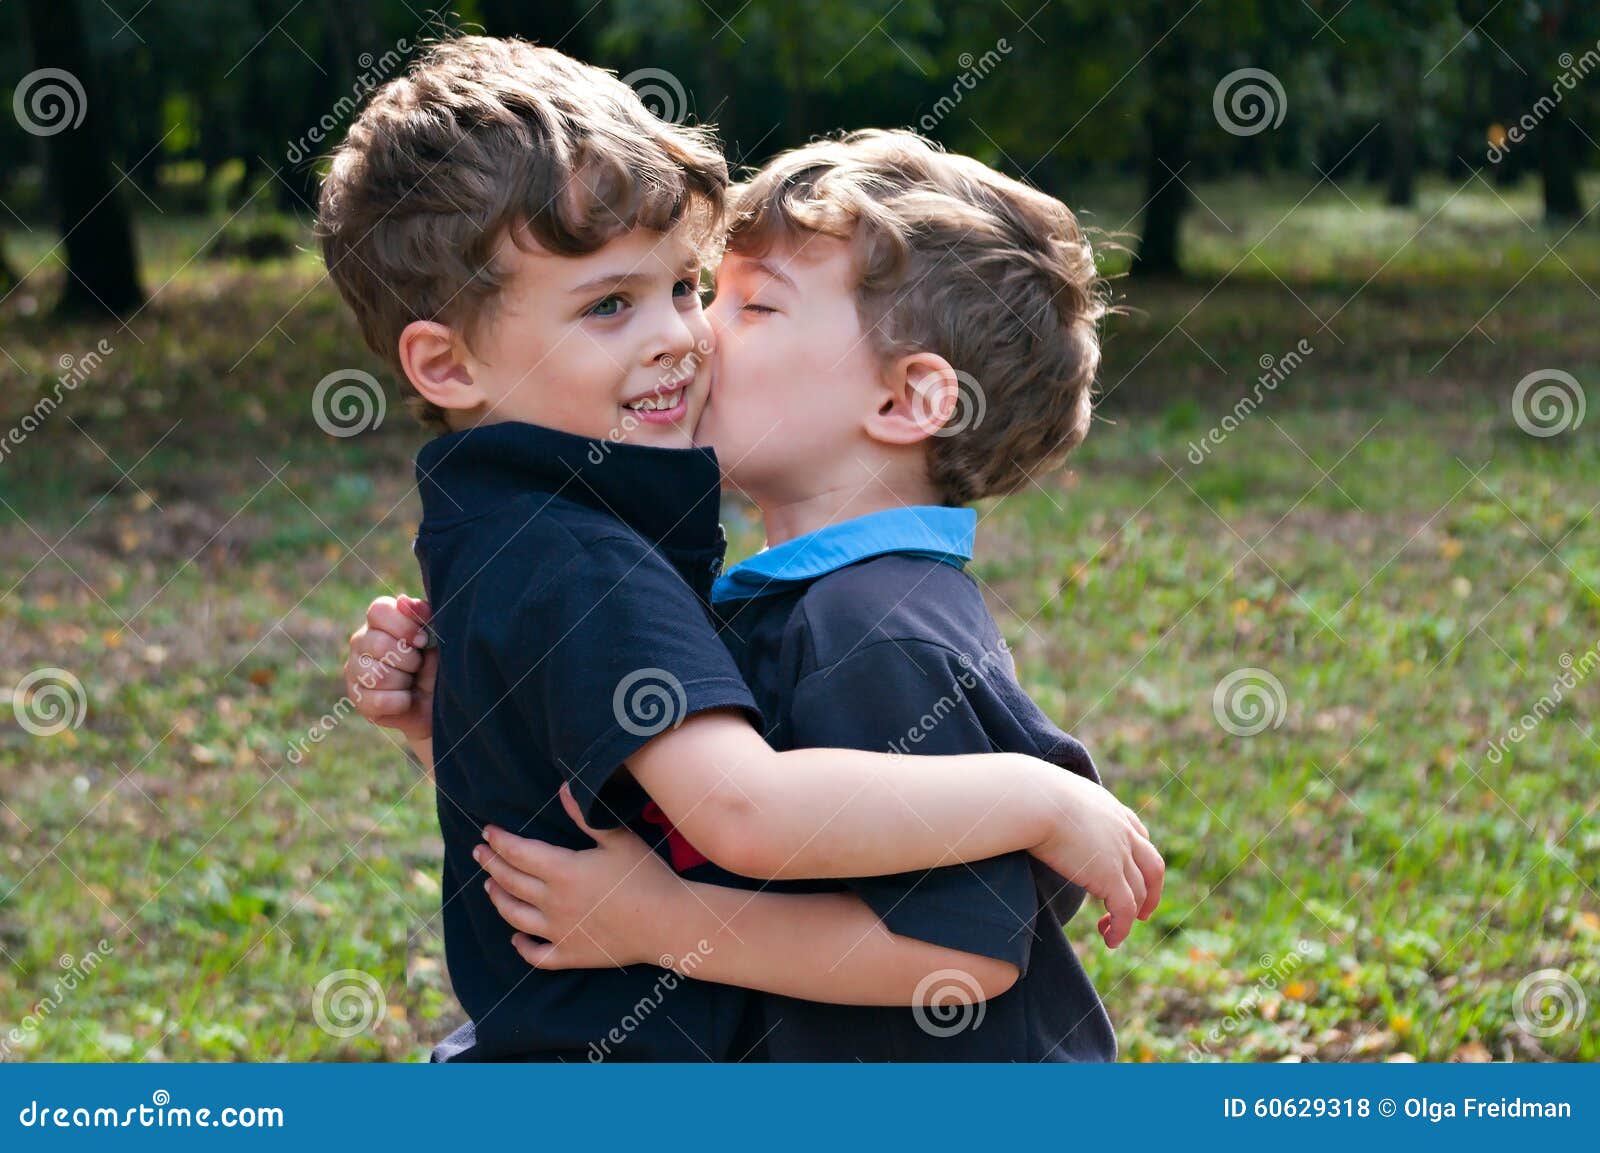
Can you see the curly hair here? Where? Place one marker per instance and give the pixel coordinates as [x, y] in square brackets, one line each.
[485, 137]
[954, 258]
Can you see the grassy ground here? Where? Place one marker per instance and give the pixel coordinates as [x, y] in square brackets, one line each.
[1399, 564]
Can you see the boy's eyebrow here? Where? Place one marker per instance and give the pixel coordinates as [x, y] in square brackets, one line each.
[615, 280]
[609, 280]
[773, 271]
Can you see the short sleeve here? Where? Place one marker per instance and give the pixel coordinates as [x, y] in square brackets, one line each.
[915, 698]
[605, 653]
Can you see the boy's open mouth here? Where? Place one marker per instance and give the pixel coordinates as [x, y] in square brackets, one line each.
[664, 405]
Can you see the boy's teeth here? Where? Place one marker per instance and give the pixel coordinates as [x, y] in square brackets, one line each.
[651, 403]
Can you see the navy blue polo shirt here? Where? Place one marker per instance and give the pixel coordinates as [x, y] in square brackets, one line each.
[568, 579]
[868, 634]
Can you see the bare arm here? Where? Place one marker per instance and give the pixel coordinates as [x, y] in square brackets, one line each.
[620, 904]
[848, 813]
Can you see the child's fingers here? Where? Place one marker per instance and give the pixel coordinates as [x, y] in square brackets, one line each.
[1155, 875]
[414, 607]
[362, 675]
[537, 954]
[384, 615]
[570, 803]
[378, 706]
[1136, 885]
[523, 886]
[1121, 906]
[517, 914]
[374, 648]
[536, 858]
[1137, 823]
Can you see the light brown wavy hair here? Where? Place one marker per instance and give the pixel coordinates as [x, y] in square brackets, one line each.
[485, 137]
[952, 257]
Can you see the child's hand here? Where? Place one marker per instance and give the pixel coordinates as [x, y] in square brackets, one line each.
[389, 674]
[1102, 845]
[596, 907]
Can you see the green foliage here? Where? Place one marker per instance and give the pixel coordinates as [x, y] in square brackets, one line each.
[1361, 882]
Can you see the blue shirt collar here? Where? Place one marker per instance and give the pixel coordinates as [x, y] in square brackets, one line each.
[936, 532]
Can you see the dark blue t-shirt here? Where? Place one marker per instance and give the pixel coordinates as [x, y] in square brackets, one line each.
[869, 635]
[568, 580]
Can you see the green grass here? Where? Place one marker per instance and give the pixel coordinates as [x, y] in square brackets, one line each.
[1362, 881]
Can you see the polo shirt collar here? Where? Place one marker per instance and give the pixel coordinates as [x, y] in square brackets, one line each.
[667, 495]
[936, 532]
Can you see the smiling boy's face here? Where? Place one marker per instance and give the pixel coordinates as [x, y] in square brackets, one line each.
[793, 371]
[609, 345]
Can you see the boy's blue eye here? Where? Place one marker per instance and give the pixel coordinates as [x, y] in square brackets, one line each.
[686, 287]
[610, 306]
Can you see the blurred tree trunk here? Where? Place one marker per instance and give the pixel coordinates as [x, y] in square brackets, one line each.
[102, 268]
[1401, 125]
[1167, 133]
[1558, 167]
[8, 275]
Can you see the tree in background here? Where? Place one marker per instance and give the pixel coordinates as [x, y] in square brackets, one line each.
[102, 268]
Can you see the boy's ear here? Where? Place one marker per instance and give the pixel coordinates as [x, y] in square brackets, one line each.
[917, 395]
[437, 365]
